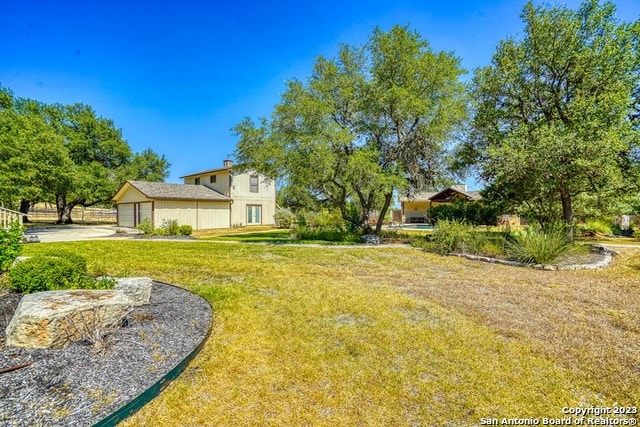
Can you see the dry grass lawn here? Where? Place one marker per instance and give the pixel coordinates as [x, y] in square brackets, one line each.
[387, 336]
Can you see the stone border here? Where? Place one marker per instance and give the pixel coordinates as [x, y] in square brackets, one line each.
[608, 258]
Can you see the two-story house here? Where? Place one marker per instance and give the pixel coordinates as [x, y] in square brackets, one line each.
[216, 198]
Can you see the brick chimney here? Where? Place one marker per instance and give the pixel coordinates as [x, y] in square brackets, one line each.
[228, 163]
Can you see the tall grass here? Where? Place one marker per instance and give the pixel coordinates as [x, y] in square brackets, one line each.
[594, 227]
[457, 236]
[535, 246]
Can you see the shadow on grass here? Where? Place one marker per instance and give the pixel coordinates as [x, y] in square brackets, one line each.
[272, 238]
[262, 237]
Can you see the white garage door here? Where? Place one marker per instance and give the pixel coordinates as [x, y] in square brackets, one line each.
[125, 215]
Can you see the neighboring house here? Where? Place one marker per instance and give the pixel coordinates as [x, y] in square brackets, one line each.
[414, 208]
[216, 198]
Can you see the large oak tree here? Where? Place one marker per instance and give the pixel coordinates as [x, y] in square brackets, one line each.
[553, 111]
[65, 154]
[372, 121]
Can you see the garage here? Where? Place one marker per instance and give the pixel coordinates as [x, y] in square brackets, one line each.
[195, 205]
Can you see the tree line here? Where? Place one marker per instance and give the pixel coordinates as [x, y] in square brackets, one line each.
[551, 126]
[65, 154]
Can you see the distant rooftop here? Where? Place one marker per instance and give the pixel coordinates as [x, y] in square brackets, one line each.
[163, 190]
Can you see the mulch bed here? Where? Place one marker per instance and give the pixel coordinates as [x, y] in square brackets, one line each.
[77, 386]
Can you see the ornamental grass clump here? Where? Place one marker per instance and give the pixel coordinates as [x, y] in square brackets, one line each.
[537, 246]
[594, 228]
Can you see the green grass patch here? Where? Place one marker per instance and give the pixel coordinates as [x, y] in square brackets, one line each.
[278, 236]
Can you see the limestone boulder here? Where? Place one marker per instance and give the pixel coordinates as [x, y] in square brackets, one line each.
[52, 319]
[137, 289]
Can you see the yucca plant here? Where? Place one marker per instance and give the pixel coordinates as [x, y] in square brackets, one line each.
[536, 246]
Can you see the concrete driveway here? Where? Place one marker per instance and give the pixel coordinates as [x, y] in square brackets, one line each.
[70, 233]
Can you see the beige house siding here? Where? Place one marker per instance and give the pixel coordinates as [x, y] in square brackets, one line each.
[133, 195]
[243, 197]
[414, 210]
[238, 187]
[198, 214]
[221, 185]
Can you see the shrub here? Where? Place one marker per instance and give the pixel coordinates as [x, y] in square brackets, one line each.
[326, 234]
[283, 218]
[594, 227]
[475, 213]
[42, 273]
[79, 262]
[146, 226]
[451, 236]
[61, 270]
[10, 244]
[534, 246]
[170, 227]
[185, 230]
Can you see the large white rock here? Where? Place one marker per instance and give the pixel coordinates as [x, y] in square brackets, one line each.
[138, 289]
[54, 318]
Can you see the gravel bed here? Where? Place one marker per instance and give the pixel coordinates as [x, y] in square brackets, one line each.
[598, 257]
[77, 386]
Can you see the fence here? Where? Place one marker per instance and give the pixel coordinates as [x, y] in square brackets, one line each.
[47, 212]
[7, 215]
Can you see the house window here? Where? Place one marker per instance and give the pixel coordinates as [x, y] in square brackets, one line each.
[254, 213]
[212, 179]
[253, 183]
[197, 181]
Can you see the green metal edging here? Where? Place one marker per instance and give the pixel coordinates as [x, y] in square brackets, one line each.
[149, 394]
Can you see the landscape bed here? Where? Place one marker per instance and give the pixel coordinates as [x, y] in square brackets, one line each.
[76, 386]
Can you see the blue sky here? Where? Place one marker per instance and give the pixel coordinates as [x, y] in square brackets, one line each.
[176, 76]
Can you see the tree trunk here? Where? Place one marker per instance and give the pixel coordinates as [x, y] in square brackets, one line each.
[64, 210]
[383, 211]
[24, 208]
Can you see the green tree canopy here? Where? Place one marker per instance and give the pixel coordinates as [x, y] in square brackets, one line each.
[553, 111]
[372, 121]
[65, 154]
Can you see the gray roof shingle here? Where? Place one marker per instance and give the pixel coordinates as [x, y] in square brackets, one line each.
[163, 190]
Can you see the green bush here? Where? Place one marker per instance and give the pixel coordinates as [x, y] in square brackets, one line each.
[325, 234]
[79, 262]
[470, 212]
[10, 244]
[42, 273]
[170, 227]
[63, 270]
[283, 218]
[593, 227]
[146, 226]
[185, 230]
[534, 246]
[451, 236]
[325, 218]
